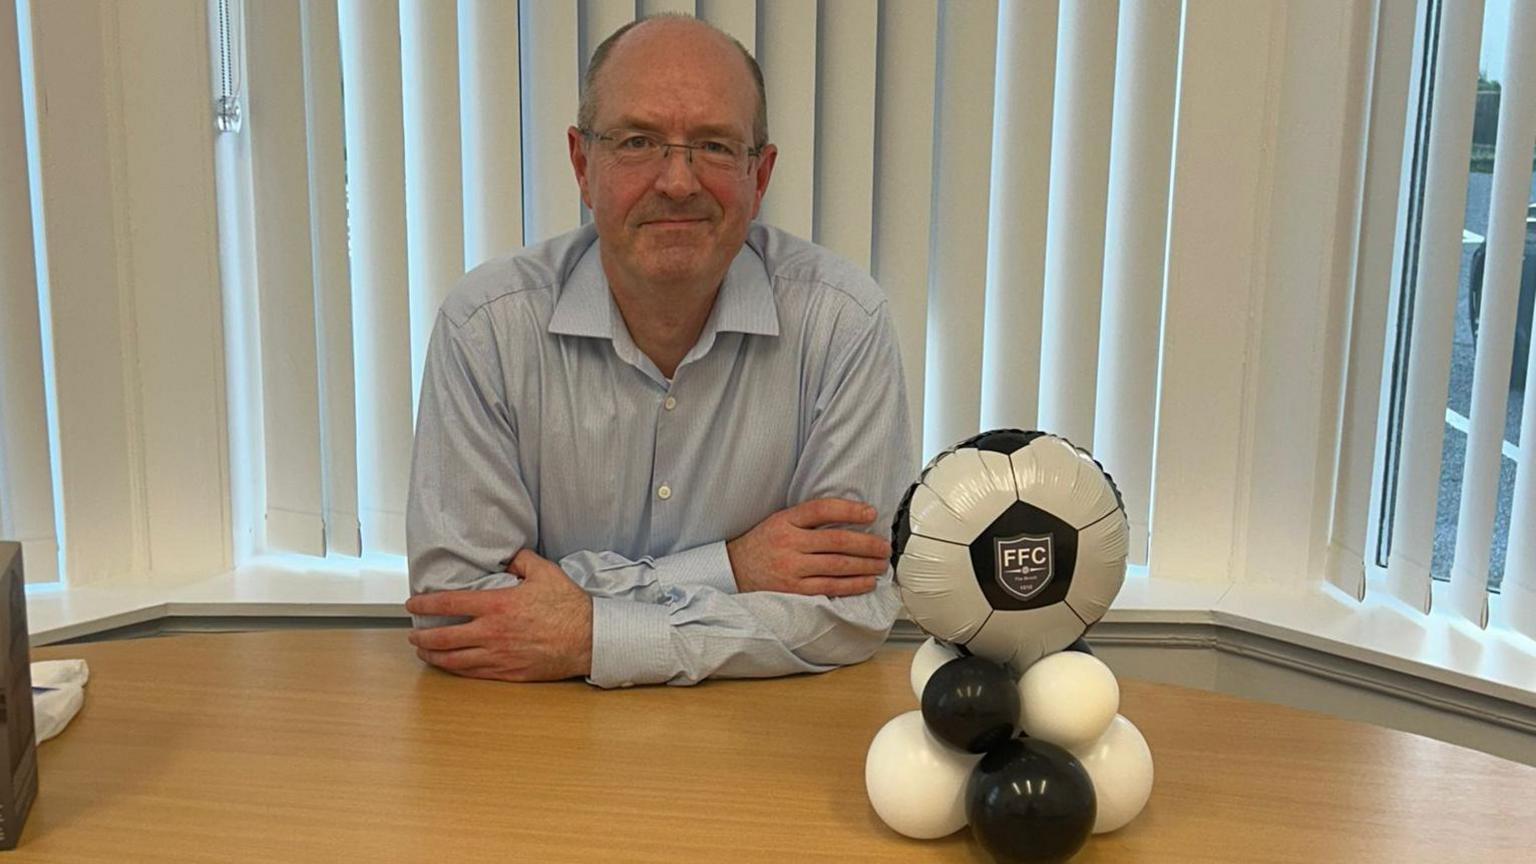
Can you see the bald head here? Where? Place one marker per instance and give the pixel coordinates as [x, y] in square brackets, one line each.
[660, 34]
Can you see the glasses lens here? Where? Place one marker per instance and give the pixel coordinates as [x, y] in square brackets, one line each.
[640, 150]
[724, 155]
[632, 149]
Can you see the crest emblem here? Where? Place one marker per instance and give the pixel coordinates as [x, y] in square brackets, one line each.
[1024, 564]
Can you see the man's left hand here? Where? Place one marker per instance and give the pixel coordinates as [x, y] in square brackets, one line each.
[538, 630]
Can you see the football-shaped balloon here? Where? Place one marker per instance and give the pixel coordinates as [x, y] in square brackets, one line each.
[1010, 544]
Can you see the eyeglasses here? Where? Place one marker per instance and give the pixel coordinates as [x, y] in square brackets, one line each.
[632, 149]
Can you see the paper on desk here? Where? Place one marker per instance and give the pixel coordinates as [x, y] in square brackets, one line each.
[58, 691]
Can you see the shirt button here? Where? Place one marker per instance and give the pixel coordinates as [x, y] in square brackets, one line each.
[670, 403]
[664, 492]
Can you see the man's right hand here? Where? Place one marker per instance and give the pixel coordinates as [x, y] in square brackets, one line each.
[790, 551]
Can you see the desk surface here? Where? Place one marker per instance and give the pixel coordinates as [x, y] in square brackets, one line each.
[339, 746]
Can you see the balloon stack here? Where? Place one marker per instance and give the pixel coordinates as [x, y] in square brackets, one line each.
[1006, 549]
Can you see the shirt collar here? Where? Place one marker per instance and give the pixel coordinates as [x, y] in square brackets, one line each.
[744, 305]
[584, 305]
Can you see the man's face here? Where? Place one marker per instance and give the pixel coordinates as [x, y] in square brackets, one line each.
[671, 222]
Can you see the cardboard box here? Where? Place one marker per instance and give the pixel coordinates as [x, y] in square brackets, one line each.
[18, 779]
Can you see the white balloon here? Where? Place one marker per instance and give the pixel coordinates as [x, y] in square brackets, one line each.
[916, 782]
[929, 657]
[1120, 765]
[1068, 699]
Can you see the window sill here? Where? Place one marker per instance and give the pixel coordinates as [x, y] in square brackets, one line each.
[275, 586]
[1380, 632]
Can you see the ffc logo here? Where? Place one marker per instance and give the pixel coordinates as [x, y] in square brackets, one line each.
[1024, 564]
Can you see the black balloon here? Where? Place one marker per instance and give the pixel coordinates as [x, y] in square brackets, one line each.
[1030, 802]
[1080, 646]
[971, 703]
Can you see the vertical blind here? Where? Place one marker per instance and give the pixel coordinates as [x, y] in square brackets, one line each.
[112, 422]
[957, 267]
[1074, 248]
[1008, 171]
[1434, 305]
[1507, 231]
[454, 119]
[1135, 239]
[1389, 79]
[1428, 316]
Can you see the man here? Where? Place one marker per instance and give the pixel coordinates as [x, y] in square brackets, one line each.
[677, 405]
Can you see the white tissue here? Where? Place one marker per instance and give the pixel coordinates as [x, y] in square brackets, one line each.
[57, 694]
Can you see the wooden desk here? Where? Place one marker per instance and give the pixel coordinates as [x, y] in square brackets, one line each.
[334, 746]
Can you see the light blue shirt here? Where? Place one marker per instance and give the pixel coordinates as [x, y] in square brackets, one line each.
[542, 425]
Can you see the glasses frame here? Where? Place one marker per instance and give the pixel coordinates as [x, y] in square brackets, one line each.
[668, 146]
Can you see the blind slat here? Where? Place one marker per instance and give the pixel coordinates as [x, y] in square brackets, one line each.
[659, 7]
[295, 519]
[1512, 177]
[845, 90]
[1516, 140]
[26, 482]
[1434, 306]
[103, 519]
[381, 338]
[333, 275]
[599, 18]
[736, 17]
[551, 60]
[169, 260]
[908, 60]
[963, 171]
[1021, 178]
[788, 29]
[1074, 249]
[434, 199]
[1221, 132]
[1136, 236]
[491, 113]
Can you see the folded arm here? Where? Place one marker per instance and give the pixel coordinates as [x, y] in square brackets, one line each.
[754, 607]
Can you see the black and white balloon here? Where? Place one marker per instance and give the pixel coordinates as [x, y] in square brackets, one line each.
[929, 657]
[1007, 548]
[1068, 699]
[915, 782]
[971, 704]
[1010, 544]
[1030, 802]
[1120, 765]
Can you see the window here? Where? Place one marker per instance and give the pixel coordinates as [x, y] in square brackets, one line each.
[1474, 492]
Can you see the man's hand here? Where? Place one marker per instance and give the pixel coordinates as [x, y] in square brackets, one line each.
[539, 630]
[786, 552]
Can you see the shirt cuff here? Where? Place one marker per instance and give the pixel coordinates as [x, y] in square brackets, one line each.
[708, 565]
[631, 643]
